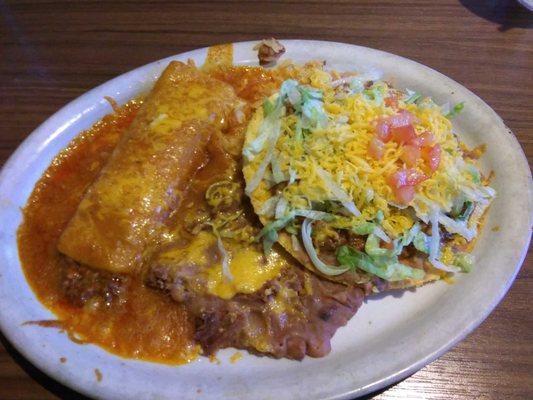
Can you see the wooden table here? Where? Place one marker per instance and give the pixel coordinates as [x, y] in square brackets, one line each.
[52, 51]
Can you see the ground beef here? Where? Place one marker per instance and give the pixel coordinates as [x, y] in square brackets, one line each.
[291, 316]
[81, 284]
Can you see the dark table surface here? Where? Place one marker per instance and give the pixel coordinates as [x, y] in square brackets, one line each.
[53, 51]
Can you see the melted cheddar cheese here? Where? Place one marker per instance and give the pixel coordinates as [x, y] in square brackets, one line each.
[249, 267]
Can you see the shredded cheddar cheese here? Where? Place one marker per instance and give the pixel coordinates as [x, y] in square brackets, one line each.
[355, 152]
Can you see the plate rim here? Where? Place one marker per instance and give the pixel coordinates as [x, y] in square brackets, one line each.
[12, 162]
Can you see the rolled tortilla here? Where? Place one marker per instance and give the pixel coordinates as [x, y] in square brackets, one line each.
[122, 214]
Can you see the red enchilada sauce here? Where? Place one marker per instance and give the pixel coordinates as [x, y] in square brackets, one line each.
[130, 319]
[140, 323]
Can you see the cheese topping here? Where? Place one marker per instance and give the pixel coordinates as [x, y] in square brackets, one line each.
[249, 268]
[381, 155]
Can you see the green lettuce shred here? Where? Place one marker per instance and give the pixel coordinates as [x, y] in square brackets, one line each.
[464, 261]
[456, 110]
[383, 267]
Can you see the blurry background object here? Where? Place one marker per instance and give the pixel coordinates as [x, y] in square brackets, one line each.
[527, 4]
[507, 13]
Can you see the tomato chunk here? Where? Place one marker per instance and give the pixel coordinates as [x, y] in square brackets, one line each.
[376, 148]
[383, 130]
[403, 134]
[432, 156]
[405, 194]
[403, 183]
[426, 139]
[406, 177]
[414, 177]
[410, 155]
[403, 118]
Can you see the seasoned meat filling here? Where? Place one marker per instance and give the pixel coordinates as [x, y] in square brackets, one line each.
[82, 284]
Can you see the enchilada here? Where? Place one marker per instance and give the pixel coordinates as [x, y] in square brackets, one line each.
[122, 213]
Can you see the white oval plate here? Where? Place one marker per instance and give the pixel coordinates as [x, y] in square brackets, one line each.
[388, 339]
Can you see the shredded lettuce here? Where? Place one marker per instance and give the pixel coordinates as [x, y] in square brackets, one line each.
[309, 93]
[380, 233]
[457, 226]
[337, 191]
[408, 238]
[277, 173]
[444, 267]
[225, 259]
[374, 94]
[293, 175]
[281, 208]
[312, 214]
[326, 269]
[363, 229]
[270, 237]
[456, 110]
[458, 204]
[464, 261]
[383, 267]
[412, 96]
[467, 212]
[357, 85]
[268, 107]
[372, 247]
[401, 242]
[313, 114]
[267, 128]
[298, 131]
[479, 194]
[307, 102]
[270, 129]
[434, 241]
[268, 208]
[286, 87]
[269, 233]
[367, 228]
[473, 172]
[421, 242]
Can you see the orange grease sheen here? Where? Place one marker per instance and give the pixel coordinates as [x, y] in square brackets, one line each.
[148, 325]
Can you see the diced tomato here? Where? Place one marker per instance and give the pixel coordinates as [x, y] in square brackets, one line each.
[426, 139]
[392, 101]
[416, 142]
[403, 134]
[376, 148]
[410, 155]
[398, 179]
[405, 194]
[414, 177]
[403, 183]
[432, 156]
[406, 177]
[403, 118]
[383, 130]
